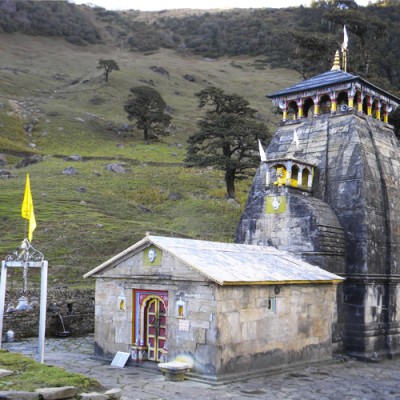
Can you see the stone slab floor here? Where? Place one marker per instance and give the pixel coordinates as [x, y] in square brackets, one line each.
[345, 380]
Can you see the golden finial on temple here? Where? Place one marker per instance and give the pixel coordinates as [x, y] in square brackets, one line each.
[336, 62]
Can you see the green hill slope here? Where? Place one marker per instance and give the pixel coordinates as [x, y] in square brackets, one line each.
[54, 103]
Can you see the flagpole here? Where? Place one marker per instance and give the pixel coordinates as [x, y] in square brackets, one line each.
[344, 48]
[27, 211]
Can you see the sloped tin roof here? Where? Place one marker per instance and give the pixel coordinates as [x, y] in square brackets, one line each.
[231, 264]
[327, 79]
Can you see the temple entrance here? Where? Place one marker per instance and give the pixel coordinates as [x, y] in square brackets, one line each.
[150, 325]
[156, 328]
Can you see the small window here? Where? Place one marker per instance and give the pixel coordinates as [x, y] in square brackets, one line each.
[271, 304]
[295, 176]
[305, 178]
[180, 309]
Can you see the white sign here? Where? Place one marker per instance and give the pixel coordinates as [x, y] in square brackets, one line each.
[120, 359]
[183, 325]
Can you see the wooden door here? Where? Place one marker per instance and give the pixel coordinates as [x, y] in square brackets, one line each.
[156, 326]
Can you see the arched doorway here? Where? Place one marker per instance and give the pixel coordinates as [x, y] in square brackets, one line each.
[155, 328]
[305, 178]
[308, 107]
[295, 176]
[342, 101]
[293, 109]
[150, 317]
[325, 104]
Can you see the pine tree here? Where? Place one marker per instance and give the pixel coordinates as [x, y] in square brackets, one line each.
[227, 137]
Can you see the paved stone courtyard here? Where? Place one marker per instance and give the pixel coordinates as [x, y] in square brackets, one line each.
[345, 380]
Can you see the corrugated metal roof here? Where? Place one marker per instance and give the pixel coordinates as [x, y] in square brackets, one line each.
[328, 79]
[232, 264]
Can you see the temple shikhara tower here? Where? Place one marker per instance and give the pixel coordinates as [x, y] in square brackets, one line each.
[329, 193]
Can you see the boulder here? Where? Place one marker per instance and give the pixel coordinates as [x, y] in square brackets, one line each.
[69, 171]
[174, 196]
[3, 160]
[5, 372]
[19, 396]
[114, 394]
[115, 167]
[5, 174]
[93, 396]
[57, 393]
[74, 157]
[29, 161]
[190, 78]
[159, 70]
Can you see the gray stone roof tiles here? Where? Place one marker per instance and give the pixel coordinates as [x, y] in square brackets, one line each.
[326, 79]
[231, 264]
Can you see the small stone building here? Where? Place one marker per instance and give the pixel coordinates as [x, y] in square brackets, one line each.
[234, 309]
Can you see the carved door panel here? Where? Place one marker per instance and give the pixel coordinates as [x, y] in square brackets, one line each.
[156, 325]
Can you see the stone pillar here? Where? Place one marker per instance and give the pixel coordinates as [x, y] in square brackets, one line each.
[351, 102]
[310, 179]
[267, 177]
[378, 110]
[300, 178]
[359, 105]
[316, 109]
[333, 104]
[300, 112]
[369, 106]
[385, 113]
[285, 114]
[288, 166]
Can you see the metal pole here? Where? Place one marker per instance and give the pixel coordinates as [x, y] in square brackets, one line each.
[25, 279]
[2, 296]
[43, 306]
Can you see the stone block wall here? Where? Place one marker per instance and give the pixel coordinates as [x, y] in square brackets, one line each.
[76, 308]
[196, 334]
[357, 174]
[113, 327]
[224, 330]
[259, 329]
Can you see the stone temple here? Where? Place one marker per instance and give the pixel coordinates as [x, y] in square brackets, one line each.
[315, 266]
[328, 191]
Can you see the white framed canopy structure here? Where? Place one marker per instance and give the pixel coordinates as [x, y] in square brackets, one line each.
[26, 257]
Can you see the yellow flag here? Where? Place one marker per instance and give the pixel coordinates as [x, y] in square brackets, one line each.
[27, 208]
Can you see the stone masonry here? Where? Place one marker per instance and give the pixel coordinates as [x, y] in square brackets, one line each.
[226, 330]
[349, 223]
[75, 307]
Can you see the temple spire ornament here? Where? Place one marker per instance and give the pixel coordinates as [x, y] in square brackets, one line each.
[336, 62]
[263, 157]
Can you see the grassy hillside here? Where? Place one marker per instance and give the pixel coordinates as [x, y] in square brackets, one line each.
[54, 103]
